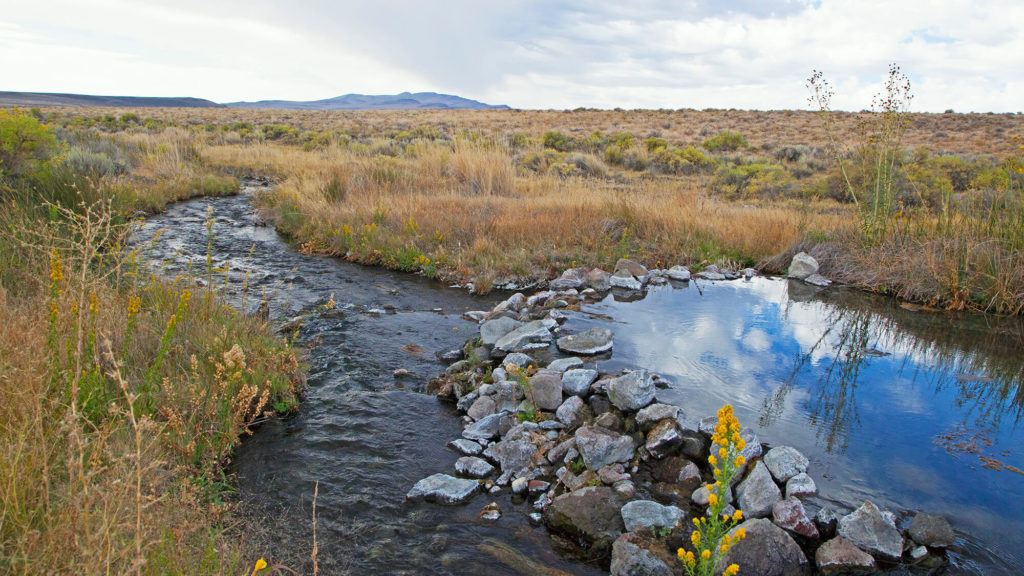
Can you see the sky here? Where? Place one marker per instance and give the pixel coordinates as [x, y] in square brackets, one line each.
[751, 54]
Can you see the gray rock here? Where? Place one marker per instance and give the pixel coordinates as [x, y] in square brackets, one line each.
[546, 390]
[573, 412]
[632, 391]
[649, 514]
[493, 330]
[600, 447]
[700, 496]
[515, 303]
[789, 514]
[677, 471]
[827, 521]
[801, 486]
[784, 462]
[443, 489]
[558, 452]
[599, 280]
[529, 336]
[931, 530]
[749, 273]
[766, 551]
[578, 380]
[757, 493]
[473, 467]
[818, 280]
[483, 406]
[706, 426]
[918, 553]
[663, 438]
[679, 273]
[866, 529]
[511, 455]
[631, 556]
[571, 278]
[485, 428]
[710, 275]
[840, 556]
[563, 364]
[475, 315]
[516, 360]
[520, 485]
[802, 266]
[590, 514]
[466, 447]
[588, 343]
[651, 415]
[630, 267]
[694, 444]
[624, 281]
[625, 489]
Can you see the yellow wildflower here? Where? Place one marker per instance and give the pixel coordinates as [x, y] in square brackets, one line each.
[723, 453]
[712, 500]
[732, 570]
[724, 548]
[134, 305]
[737, 516]
[740, 534]
[695, 537]
[260, 565]
[740, 461]
[705, 555]
[712, 460]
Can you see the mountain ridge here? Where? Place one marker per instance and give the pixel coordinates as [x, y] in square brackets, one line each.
[68, 99]
[401, 101]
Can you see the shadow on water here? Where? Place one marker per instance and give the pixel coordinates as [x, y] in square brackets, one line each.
[914, 410]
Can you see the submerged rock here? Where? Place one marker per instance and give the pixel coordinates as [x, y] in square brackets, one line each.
[802, 266]
[443, 489]
[588, 343]
[590, 514]
[649, 514]
[766, 551]
[868, 530]
[931, 530]
[632, 391]
[840, 556]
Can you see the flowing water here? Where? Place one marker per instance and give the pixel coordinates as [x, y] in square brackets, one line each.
[914, 410]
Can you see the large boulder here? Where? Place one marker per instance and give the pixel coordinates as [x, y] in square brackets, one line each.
[481, 407]
[529, 336]
[766, 551]
[663, 439]
[867, 529]
[590, 514]
[931, 530]
[625, 281]
[679, 273]
[757, 493]
[511, 455]
[631, 267]
[840, 556]
[578, 380]
[598, 280]
[473, 467]
[443, 489]
[636, 555]
[649, 514]
[546, 390]
[600, 447]
[588, 343]
[789, 514]
[802, 266]
[784, 462]
[493, 330]
[632, 391]
[572, 278]
[801, 486]
[655, 413]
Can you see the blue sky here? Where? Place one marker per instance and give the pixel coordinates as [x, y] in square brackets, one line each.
[529, 54]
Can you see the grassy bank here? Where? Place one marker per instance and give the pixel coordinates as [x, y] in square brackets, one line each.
[121, 394]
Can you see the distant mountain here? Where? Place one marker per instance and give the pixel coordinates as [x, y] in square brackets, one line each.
[403, 101]
[52, 99]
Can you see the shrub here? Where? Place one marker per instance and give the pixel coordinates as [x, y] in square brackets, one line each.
[725, 141]
[753, 180]
[654, 144]
[557, 141]
[93, 164]
[24, 143]
[687, 160]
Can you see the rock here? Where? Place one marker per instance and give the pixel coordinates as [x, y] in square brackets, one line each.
[612, 473]
[631, 556]
[450, 356]
[651, 415]
[840, 556]
[625, 489]
[694, 445]
[632, 391]
[711, 275]
[600, 447]
[649, 514]
[589, 342]
[515, 303]
[573, 412]
[577, 381]
[609, 420]
[918, 553]
[456, 367]
[490, 512]
[558, 452]
[631, 267]
[784, 462]
[801, 486]
[493, 330]
[443, 489]
[706, 426]
[536, 518]
[563, 364]
[599, 280]
[931, 530]
[466, 447]
[511, 455]
[826, 520]
[866, 529]
[546, 390]
[536, 487]
[818, 280]
[529, 336]
[516, 360]
[679, 273]
[789, 514]
[749, 273]
[590, 514]
[520, 485]
[677, 471]
[599, 404]
[766, 551]
[802, 266]
[484, 429]
[700, 497]
[663, 438]
[473, 467]
[571, 278]
[757, 493]
[401, 373]
[625, 281]
[483, 406]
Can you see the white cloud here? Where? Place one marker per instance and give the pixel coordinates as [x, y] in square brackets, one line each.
[960, 55]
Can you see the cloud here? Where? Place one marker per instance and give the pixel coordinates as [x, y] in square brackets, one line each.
[561, 54]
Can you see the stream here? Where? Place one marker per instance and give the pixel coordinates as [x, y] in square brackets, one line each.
[912, 409]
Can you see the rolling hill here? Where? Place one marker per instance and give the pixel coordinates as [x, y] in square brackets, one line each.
[55, 99]
[403, 101]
